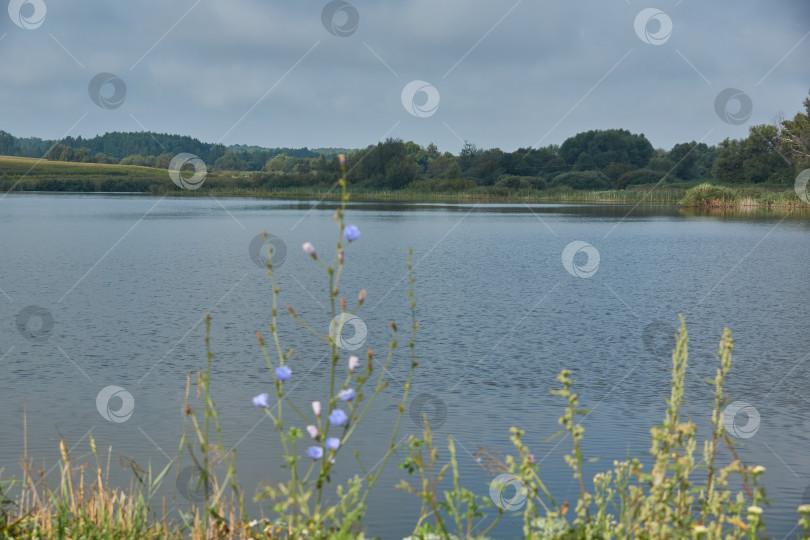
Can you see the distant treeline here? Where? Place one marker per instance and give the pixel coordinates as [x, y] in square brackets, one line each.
[592, 160]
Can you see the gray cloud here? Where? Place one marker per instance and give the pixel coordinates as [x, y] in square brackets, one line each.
[534, 77]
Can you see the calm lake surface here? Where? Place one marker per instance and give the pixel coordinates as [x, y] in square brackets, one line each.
[128, 279]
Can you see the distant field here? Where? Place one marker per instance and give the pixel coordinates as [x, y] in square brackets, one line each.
[29, 174]
[15, 167]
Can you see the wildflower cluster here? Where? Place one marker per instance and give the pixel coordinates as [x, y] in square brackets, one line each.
[300, 502]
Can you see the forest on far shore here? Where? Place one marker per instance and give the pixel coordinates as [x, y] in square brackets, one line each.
[612, 159]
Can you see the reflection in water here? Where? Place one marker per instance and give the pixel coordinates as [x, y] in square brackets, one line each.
[758, 213]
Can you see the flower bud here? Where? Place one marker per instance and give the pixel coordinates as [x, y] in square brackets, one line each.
[316, 408]
[312, 430]
[361, 296]
[353, 363]
[309, 249]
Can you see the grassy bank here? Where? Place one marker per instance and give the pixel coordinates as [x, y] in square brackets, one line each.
[32, 175]
[712, 196]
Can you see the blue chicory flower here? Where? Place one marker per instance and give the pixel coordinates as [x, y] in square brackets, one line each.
[338, 417]
[262, 400]
[315, 452]
[351, 233]
[346, 395]
[283, 373]
[332, 443]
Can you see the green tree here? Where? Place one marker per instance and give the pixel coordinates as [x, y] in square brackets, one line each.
[280, 163]
[467, 155]
[753, 160]
[163, 161]
[614, 171]
[601, 147]
[795, 137]
[400, 172]
[684, 156]
[60, 152]
[417, 154]
[439, 166]
[6, 143]
[133, 159]
[453, 171]
[230, 161]
[432, 151]
[486, 166]
[638, 177]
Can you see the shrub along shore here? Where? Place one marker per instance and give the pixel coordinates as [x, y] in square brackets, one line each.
[711, 196]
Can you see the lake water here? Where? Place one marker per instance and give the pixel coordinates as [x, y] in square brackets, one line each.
[128, 279]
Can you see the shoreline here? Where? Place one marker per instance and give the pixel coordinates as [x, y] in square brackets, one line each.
[17, 175]
[583, 197]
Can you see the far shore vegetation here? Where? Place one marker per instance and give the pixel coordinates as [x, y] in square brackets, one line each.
[19, 174]
[597, 166]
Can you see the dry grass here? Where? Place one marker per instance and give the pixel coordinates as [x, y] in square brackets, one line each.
[84, 505]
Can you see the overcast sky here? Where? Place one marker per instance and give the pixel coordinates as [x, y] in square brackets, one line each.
[504, 73]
